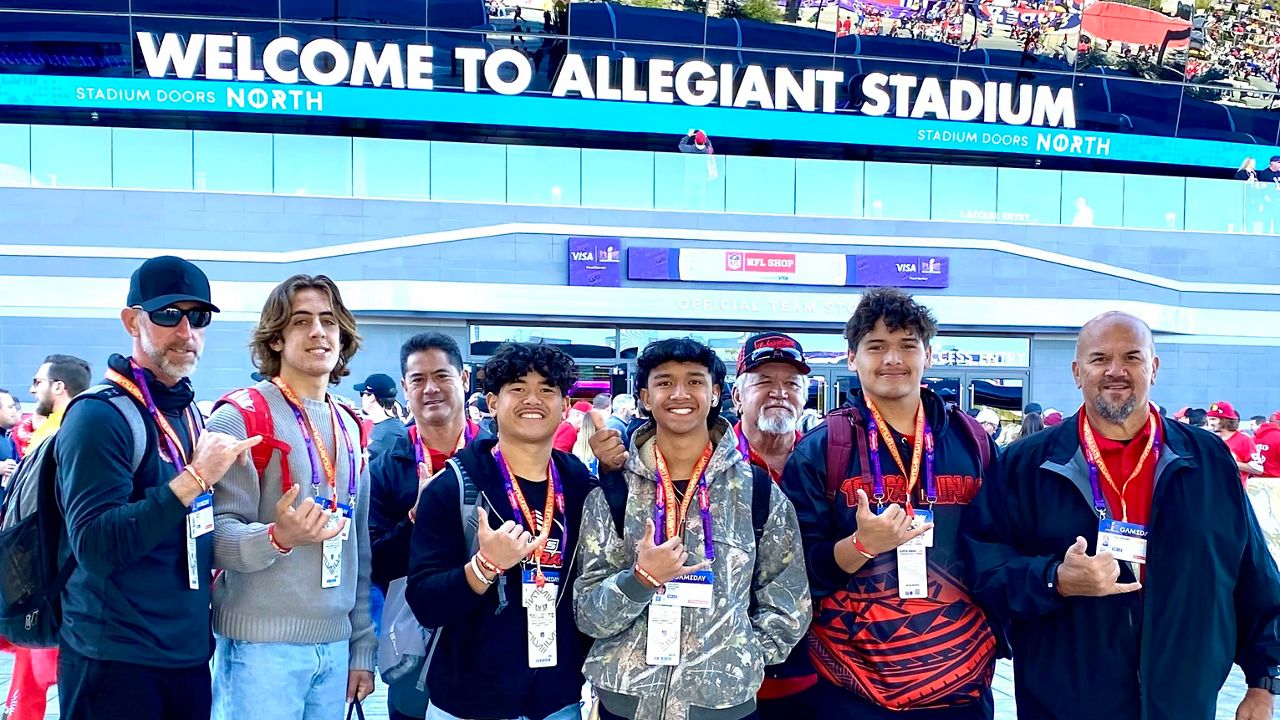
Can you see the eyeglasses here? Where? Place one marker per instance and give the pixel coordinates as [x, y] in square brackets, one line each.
[775, 353]
[172, 316]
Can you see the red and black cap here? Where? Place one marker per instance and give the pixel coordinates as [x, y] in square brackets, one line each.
[771, 347]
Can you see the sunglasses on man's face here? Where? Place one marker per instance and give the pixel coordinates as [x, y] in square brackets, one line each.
[776, 353]
[170, 317]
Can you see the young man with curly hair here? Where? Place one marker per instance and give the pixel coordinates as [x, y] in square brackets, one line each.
[494, 583]
[692, 567]
[291, 609]
[879, 490]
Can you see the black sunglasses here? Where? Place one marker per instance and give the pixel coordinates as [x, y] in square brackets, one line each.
[776, 353]
[171, 316]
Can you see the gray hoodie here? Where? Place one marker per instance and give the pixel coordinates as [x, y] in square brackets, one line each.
[725, 649]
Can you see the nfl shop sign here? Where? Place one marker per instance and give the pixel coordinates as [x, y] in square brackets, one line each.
[781, 268]
[760, 262]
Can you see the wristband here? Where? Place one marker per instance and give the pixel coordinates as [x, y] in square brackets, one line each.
[646, 578]
[204, 486]
[862, 549]
[271, 535]
[475, 569]
[487, 564]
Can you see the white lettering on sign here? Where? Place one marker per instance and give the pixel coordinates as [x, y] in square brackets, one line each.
[327, 62]
[966, 100]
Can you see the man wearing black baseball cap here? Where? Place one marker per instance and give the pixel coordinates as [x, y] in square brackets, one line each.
[769, 393]
[378, 401]
[135, 487]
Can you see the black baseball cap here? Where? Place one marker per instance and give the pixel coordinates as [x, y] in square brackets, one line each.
[1032, 408]
[382, 386]
[771, 347]
[1275, 158]
[166, 280]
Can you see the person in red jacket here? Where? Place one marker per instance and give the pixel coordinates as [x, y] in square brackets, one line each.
[1267, 440]
[567, 433]
[1225, 420]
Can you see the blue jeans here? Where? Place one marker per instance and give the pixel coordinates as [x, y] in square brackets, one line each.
[281, 681]
[571, 712]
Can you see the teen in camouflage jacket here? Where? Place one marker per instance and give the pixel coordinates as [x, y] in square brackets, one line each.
[755, 618]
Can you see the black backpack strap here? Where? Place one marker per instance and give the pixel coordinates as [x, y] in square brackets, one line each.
[128, 408]
[761, 495]
[468, 499]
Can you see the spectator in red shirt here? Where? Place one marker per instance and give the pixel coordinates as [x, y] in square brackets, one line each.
[1267, 439]
[1225, 420]
[567, 433]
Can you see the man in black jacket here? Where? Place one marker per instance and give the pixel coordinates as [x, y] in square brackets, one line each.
[895, 633]
[435, 384]
[1125, 555]
[508, 645]
[136, 639]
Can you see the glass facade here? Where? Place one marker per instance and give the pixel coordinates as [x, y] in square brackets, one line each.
[1154, 69]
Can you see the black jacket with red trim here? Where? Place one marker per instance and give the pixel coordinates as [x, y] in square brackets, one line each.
[864, 638]
[1211, 595]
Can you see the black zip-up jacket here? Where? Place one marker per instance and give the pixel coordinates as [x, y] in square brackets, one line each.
[480, 669]
[1211, 594]
[393, 490]
[852, 610]
[128, 599]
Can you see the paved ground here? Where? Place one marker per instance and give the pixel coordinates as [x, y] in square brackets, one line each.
[376, 706]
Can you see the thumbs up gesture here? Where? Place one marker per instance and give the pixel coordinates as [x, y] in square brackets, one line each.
[1096, 576]
[664, 562]
[886, 531]
[506, 546]
[606, 444]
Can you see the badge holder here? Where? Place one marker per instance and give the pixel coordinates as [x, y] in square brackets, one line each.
[1126, 541]
[913, 561]
[539, 600]
[199, 522]
[331, 555]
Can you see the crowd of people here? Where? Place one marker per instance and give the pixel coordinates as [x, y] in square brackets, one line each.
[873, 567]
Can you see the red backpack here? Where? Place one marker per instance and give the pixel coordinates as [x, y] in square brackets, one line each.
[256, 414]
[845, 425]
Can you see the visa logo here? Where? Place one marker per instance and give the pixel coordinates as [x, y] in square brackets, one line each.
[583, 256]
[906, 267]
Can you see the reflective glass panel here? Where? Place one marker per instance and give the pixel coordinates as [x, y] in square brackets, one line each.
[617, 179]
[897, 190]
[544, 175]
[386, 168]
[152, 159]
[829, 188]
[15, 155]
[69, 156]
[760, 185]
[233, 162]
[476, 173]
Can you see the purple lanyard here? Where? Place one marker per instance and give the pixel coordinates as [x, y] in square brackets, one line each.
[175, 453]
[744, 447]
[704, 506]
[313, 451]
[1100, 500]
[877, 476]
[509, 484]
[418, 445]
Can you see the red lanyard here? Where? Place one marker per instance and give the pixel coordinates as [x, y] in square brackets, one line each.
[312, 436]
[674, 520]
[177, 452]
[917, 447]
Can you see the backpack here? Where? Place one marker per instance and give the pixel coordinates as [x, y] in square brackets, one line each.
[35, 557]
[845, 425]
[256, 414]
[406, 647]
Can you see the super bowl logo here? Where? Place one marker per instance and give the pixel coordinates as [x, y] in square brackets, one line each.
[733, 261]
[931, 266]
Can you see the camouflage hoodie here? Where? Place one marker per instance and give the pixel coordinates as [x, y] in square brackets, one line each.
[724, 649]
